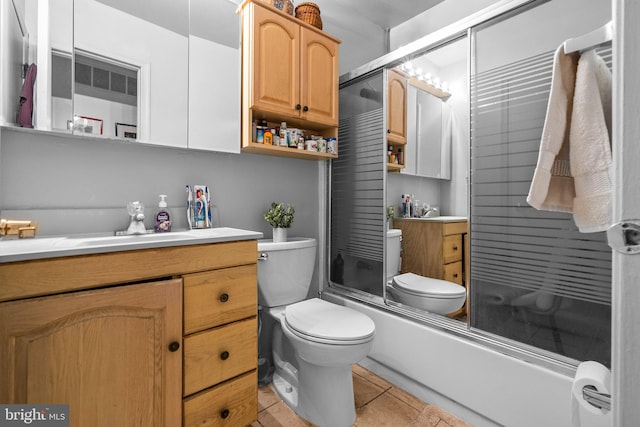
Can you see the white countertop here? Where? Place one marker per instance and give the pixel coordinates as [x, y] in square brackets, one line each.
[12, 250]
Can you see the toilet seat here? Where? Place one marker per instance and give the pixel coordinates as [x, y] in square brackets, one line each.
[323, 322]
[421, 286]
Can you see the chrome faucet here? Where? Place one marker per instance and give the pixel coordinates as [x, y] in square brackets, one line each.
[136, 212]
[430, 211]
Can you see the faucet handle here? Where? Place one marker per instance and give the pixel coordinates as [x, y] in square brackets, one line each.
[135, 208]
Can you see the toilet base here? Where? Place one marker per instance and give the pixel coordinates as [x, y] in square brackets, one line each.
[323, 395]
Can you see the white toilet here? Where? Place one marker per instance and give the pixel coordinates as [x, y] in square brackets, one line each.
[426, 293]
[315, 342]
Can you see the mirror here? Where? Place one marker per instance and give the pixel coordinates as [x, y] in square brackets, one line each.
[437, 147]
[214, 76]
[34, 33]
[130, 69]
[429, 114]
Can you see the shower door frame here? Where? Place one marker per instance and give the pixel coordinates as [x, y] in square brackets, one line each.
[625, 341]
[540, 357]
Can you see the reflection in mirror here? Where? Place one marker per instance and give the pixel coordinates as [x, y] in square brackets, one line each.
[214, 75]
[425, 251]
[33, 37]
[131, 70]
[429, 116]
[357, 189]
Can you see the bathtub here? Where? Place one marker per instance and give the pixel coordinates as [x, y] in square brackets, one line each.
[473, 382]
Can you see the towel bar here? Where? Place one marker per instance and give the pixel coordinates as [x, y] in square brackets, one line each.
[595, 398]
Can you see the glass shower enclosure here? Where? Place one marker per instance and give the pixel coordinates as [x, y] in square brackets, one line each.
[537, 286]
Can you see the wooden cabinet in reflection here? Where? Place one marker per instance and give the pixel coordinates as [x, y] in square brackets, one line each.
[434, 247]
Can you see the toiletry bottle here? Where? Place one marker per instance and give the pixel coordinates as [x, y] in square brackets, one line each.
[163, 217]
[201, 206]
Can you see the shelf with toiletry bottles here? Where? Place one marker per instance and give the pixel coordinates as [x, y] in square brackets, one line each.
[289, 74]
[395, 157]
[396, 120]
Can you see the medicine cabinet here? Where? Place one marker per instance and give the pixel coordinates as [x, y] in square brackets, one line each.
[162, 72]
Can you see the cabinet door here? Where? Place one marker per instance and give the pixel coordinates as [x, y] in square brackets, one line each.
[397, 108]
[276, 62]
[319, 81]
[103, 352]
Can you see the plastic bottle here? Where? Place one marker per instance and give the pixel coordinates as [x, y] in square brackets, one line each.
[268, 137]
[163, 216]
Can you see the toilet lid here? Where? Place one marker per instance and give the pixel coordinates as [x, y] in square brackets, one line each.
[427, 286]
[323, 321]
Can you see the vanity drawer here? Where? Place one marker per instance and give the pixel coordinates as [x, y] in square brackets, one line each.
[449, 228]
[215, 355]
[453, 272]
[216, 297]
[452, 248]
[234, 403]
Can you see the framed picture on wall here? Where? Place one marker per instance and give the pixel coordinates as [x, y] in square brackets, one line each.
[124, 130]
[84, 124]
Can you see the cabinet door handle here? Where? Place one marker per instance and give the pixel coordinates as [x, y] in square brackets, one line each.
[298, 106]
[174, 346]
[224, 297]
[455, 248]
[388, 130]
[224, 355]
[305, 109]
[455, 275]
[224, 413]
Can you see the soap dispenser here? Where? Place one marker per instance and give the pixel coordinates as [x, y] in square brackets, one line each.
[163, 216]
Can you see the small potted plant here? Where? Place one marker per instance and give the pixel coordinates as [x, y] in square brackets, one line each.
[280, 218]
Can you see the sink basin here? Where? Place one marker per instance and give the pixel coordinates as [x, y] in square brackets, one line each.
[127, 239]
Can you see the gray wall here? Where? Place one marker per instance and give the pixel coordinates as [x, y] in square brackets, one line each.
[81, 185]
[73, 184]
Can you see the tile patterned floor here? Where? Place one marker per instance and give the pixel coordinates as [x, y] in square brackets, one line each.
[378, 404]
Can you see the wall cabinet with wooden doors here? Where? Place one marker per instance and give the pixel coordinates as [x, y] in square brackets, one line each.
[112, 335]
[396, 120]
[290, 74]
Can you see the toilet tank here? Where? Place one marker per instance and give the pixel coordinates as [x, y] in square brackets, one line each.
[285, 270]
[394, 237]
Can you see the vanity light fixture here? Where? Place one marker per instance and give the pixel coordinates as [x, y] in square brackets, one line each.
[433, 85]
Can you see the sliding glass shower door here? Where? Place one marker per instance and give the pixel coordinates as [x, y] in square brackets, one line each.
[534, 277]
[357, 189]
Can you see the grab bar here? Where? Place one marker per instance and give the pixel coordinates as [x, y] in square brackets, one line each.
[595, 398]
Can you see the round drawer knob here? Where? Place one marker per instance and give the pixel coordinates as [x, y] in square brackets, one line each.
[174, 346]
[224, 413]
[455, 248]
[298, 106]
[305, 109]
[455, 275]
[224, 297]
[224, 355]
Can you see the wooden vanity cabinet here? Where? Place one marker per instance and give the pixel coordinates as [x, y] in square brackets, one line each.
[397, 117]
[104, 352]
[290, 74]
[154, 337]
[433, 248]
[220, 347]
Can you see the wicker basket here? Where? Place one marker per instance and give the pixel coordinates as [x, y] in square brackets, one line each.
[283, 5]
[310, 13]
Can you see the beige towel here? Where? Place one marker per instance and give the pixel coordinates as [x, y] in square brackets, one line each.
[552, 187]
[590, 144]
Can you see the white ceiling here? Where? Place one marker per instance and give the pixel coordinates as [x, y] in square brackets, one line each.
[173, 14]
